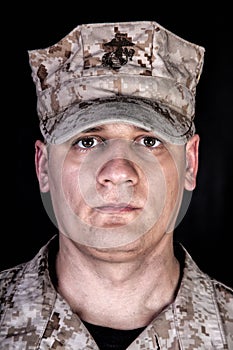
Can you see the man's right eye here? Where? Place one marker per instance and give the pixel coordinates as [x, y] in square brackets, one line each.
[87, 142]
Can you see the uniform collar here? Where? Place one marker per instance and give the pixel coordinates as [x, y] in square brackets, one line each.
[193, 318]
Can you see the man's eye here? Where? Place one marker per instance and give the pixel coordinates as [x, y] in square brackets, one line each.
[149, 141]
[87, 142]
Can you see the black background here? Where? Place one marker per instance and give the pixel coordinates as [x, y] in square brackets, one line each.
[206, 230]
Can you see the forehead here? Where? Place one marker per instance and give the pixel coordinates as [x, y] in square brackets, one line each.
[115, 127]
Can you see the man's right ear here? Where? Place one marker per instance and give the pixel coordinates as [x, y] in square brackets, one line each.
[41, 164]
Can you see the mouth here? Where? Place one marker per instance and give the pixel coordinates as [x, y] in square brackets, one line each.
[117, 208]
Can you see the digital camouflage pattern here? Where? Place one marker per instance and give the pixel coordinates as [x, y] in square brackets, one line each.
[34, 316]
[79, 79]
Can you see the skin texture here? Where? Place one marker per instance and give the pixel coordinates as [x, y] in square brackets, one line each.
[111, 285]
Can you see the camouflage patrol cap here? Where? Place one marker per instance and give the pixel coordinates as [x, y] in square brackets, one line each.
[137, 72]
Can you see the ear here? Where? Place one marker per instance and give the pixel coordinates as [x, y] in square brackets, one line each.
[41, 164]
[192, 152]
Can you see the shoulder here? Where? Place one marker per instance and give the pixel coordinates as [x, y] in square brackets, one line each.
[27, 276]
[222, 289]
[224, 298]
[224, 304]
[206, 288]
[9, 279]
[208, 297]
[10, 276]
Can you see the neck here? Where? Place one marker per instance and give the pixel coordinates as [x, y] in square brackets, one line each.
[116, 289]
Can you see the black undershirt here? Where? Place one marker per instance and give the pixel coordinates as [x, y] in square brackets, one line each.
[112, 339]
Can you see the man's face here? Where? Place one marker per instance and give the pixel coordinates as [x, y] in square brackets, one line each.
[113, 184]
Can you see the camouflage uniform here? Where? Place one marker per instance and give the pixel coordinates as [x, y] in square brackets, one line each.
[35, 316]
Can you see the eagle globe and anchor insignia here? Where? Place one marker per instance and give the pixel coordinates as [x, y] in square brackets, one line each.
[118, 52]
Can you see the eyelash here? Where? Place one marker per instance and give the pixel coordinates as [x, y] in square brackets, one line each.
[103, 141]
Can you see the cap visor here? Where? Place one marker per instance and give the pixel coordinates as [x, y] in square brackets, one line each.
[165, 123]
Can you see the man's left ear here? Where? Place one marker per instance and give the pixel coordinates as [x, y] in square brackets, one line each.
[192, 152]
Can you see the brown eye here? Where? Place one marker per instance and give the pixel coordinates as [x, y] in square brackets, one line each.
[86, 142]
[150, 141]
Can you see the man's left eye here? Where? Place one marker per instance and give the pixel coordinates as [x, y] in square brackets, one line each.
[149, 141]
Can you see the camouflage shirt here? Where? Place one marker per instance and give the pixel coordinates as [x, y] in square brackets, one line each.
[34, 316]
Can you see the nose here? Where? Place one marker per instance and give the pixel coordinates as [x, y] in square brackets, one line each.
[118, 171]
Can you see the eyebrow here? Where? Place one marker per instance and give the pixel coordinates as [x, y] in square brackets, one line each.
[97, 128]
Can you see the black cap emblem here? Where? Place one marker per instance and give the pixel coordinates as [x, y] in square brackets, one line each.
[118, 51]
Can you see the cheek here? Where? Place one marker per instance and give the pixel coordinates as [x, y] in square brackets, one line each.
[63, 180]
[70, 185]
[174, 179]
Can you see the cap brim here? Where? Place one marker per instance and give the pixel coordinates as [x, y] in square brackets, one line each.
[167, 124]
